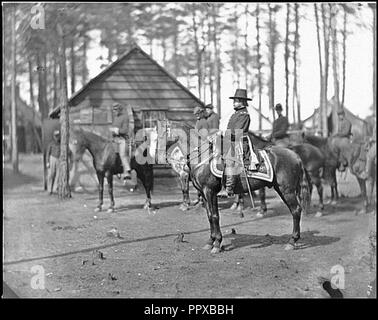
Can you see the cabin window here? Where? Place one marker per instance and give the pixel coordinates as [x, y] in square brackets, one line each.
[102, 115]
[86, 116]
[150, 118]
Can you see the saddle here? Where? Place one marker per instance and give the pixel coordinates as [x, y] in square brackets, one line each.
[264, 171]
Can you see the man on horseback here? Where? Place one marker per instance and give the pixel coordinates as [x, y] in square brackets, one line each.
[279, 134]
[121, 133]
[239, 121]
[341, 139]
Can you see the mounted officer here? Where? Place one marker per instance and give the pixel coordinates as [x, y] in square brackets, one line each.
[279, 134]
[120, 131]
[342, 137]
[239, 124]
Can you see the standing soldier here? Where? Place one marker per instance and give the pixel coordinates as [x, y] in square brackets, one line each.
[341, 139]
[279, 134]
[121, 133]
[239, 121]
[53, 155]
[212, 119]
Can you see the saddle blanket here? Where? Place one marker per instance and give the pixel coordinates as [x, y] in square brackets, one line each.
[265, 170]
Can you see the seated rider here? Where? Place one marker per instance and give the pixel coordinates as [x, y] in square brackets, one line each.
[342, 137]
[279, 134]
[239, 123]
[120, 131]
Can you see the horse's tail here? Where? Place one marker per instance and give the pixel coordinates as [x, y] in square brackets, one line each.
[305, 187]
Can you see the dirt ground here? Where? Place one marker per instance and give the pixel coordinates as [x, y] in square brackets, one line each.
[78, 258]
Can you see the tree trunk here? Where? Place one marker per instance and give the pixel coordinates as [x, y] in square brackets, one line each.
[259, 75]
[175, 49]
[335, 62]
[296, 64]
[63, 179]
[210, 58]
[13, 92]
[84, 75]
[271, 61]
[217, 64]
[287, 59]
[55, 84]
[42, 91]
[344, 57]
[72, 58]
[374, 9]
[246, 51]
[32, 104]
[326, 26]
[198, 53]
[321, 106]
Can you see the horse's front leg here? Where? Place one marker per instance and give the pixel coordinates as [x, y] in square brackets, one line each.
[109, 178]
[362, 184]
[100, 176]
[263, 208]
[147, 204]
[211, 202]
[184, 183]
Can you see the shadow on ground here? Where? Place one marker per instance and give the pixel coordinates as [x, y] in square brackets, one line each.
[13, 180]
[308, 239]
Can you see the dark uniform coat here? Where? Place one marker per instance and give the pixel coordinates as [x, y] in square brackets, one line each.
[280, 127]
[213, 122]
[122, 123]
[241, 120]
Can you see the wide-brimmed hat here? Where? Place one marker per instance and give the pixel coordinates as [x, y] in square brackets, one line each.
[116, 105]
[341, 111]
[209, 106]
[197, 110]
[278, 106]
[241, 94]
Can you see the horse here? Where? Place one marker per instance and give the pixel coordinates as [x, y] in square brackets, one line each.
[107, 163]
[313, 160]
[289, 181]
[331, 162]
[355, 154]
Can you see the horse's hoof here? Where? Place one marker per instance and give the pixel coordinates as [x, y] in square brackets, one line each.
[318, 214]
[289, 247]
[110, 210]
[215, 250]
[97, 209]
[207, 247]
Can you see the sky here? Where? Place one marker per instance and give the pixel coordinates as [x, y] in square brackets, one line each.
[359, 71]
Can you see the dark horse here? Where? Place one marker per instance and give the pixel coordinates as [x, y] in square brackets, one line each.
[289, 181]
[331, 161]
[313, 161]
[107, 163]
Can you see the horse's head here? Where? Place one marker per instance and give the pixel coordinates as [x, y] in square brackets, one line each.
[77, 143]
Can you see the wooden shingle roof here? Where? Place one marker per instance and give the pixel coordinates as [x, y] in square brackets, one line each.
[138, 80]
